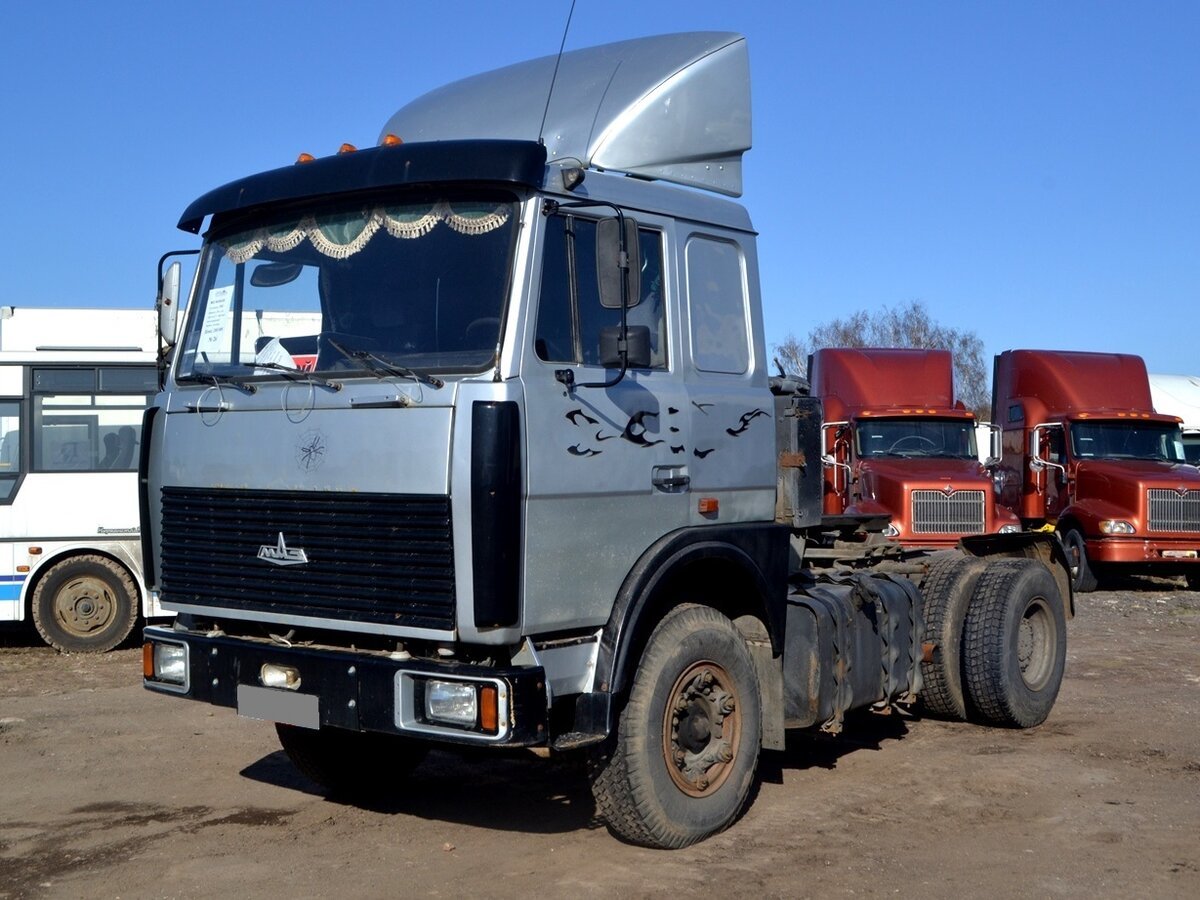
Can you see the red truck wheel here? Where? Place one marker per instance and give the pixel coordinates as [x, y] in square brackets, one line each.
[1014, 643]
[683, 762]
[1083, 575]
[946, 593]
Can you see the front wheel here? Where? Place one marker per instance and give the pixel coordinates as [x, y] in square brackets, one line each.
[350, 763]
[86, 604]
[1014, 643]
[682, 764]
[1083, 574]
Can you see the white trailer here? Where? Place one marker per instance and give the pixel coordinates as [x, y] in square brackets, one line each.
[1179, 395]
[74, 384]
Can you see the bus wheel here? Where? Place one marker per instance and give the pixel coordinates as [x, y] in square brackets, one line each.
[683, 762]
[1014, 643]
[85, 604]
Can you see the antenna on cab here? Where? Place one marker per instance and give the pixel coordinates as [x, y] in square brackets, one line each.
[553, 78]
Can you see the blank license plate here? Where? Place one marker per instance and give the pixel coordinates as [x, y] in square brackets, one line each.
[1179, 554]
[279, 706]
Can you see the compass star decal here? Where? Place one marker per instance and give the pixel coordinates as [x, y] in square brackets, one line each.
[310, 450]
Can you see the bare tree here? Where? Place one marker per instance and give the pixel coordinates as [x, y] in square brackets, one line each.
[791, 356]
[905, 326]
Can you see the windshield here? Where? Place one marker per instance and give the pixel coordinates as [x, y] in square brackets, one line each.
[1127, 440]
[415, 285]
[909, 437]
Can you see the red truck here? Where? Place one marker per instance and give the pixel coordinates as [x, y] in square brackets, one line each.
[896, 443]
[1084, 451]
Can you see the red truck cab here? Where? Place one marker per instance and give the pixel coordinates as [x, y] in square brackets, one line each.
[1084, 451]
[896, 443]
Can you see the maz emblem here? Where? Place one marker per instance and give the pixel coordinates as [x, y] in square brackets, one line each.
[281, 554]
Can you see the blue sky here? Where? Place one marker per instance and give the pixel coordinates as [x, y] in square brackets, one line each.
[1030, 171]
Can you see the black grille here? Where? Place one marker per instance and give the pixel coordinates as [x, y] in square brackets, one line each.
[372, 558]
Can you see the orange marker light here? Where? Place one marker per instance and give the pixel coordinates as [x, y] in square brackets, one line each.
[708, 506]
[489, 715]
[347, 148]
[305, 157]
[390, 140]
[22, 568]
[35, 551]
[148, 660]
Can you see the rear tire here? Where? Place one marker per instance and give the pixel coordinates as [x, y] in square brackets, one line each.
[683, 762]
[350, 763]
[1083, 574]
[1193, 581]
[946, 593]
[1014, 644]
[85, 604]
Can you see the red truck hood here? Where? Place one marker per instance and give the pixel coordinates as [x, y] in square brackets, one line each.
[1124, 482]
[887, 479]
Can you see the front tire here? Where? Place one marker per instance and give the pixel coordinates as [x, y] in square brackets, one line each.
[682, 764]
[1083, 573]
[1014, 643]
[85, 604]
[350, 763]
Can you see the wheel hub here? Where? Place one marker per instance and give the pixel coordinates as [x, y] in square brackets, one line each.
[701, 727]
[84, 606]
[1035, 640]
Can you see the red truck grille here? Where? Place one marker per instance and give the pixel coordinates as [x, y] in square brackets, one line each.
[1172, 511]
[936, 512]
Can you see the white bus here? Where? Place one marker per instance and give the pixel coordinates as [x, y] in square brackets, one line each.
[70, 426]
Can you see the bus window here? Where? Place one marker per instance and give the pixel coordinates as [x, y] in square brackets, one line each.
[10, 447]
[89, 432]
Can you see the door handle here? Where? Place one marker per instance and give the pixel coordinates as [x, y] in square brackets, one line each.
[670, 478]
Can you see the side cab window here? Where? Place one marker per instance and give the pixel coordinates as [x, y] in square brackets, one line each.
[717, 307]
[570, 316]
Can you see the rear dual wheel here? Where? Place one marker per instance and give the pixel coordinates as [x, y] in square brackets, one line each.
[1014, 643]
[947, 591]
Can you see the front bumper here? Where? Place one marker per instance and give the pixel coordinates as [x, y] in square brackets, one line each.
[352, 690]
[1177, 554]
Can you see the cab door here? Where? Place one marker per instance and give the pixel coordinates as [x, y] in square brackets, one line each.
[608, 468]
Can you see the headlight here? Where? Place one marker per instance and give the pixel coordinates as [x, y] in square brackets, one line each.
[891, 530]
[1116, 526]
[165, 662]
[455, 702]
[1009, 529]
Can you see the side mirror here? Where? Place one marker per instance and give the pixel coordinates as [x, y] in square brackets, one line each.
[995, 448]
[168, 304]
[637, 344]
[609, 271]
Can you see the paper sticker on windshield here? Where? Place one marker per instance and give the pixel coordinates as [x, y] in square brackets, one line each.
[214, 335]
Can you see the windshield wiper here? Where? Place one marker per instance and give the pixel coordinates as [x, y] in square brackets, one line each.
[218, 380]
[291, 373]
[381, 366]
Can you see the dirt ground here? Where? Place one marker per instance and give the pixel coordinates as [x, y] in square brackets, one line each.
[109, 791]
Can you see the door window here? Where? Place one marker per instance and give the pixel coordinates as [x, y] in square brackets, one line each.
[570, 316]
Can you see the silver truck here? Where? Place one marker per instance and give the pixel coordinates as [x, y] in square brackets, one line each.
[508, 469]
